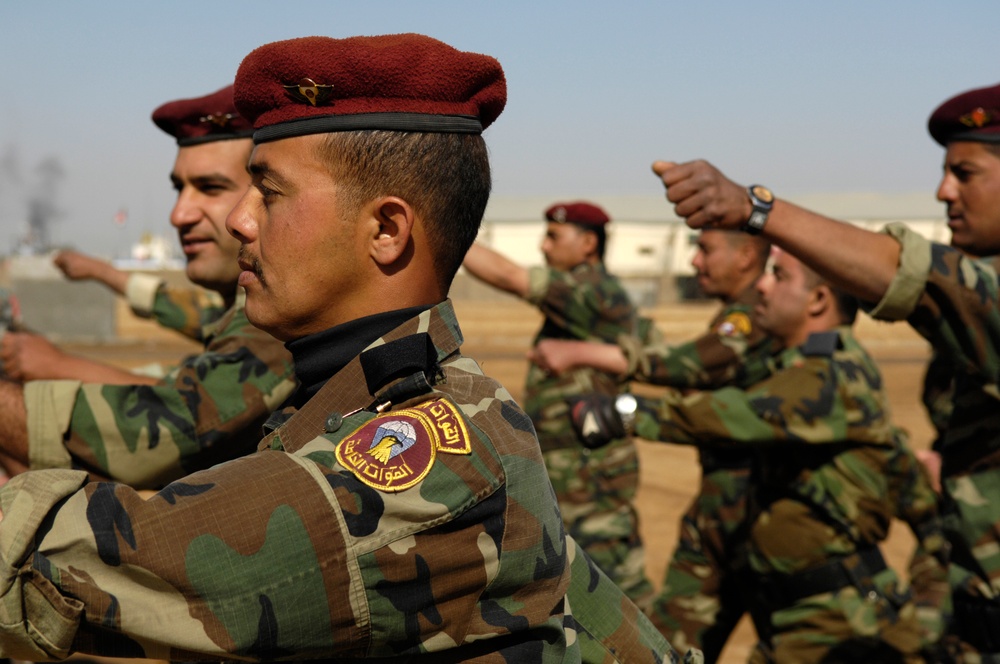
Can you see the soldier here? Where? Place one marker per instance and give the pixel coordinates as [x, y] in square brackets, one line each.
[831, 472]
[187, 310]
[400, 510]
[700, 601]
[948, 297]
[138, 429]
[580, 300]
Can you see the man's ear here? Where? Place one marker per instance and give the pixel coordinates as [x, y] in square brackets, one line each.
[589, 239]
[820, 300]
[393, 227]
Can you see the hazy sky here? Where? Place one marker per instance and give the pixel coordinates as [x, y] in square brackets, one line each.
[805, 97]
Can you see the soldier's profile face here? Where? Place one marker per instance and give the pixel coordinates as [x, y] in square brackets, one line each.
[970, 187]
[302, 262]
[715, 263]
[209, 179]
[784, 298]
[566, 245]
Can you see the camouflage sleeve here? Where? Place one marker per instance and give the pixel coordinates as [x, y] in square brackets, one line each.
[185, 309]
[916, 503]
[949, 298]
[208, 410]
[803, 403]
[733, 352]
[286, 556]
[585, 310]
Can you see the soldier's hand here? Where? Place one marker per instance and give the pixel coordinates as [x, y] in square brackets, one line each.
[553, 356]
[27, 356]
[595, 419]
[932, 462]
[77, 266]
[703, 196]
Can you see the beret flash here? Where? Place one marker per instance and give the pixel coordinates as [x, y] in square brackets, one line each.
[582, 214]
[971, 116]
[405, 82]
[203, 119]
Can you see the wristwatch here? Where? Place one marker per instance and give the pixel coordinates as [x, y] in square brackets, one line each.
[626, 405]
[762, 201]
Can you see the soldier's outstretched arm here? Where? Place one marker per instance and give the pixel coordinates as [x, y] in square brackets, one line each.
[26, 356]
[13, 427]
[860, 262]
[800, 404]
[496, 270]
[79, 267]
[558, 356]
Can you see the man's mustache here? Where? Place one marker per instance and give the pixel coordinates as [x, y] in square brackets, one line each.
[252, 263]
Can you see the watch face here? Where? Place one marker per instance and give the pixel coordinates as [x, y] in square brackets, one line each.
[762, 193]
[626, 404]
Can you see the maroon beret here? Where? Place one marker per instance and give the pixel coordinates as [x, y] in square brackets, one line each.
[403, 82]
[203, 119]
[970, 116]
[580, 213]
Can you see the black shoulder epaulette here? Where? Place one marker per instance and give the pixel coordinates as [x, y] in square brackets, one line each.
[822, 344]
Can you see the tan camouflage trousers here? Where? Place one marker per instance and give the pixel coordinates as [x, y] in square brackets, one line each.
[701, 600]
[595, 490]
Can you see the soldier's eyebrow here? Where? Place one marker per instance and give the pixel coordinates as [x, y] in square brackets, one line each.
[261, 169]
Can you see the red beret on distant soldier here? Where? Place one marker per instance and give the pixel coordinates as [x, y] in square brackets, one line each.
[971, 116]
[203, 119]
[404, 82]
[580, 213]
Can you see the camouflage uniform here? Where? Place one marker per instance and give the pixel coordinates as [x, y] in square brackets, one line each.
[426, 528]
[831, 472]
[701, 600]
[207, 409]
[952, 301]
[595, 488]
[187, 310]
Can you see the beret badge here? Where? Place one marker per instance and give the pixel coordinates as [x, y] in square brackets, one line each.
[979, 117]
[308, 91]
[220, 120]
[559, 214]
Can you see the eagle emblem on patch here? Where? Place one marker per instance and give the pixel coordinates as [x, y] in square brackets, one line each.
[733, 324]
[395, 451]
[310, 92]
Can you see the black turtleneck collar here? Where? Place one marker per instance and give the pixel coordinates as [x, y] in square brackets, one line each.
[321, 355]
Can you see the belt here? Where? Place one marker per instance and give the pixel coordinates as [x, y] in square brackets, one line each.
[977, 622]
[779, 591]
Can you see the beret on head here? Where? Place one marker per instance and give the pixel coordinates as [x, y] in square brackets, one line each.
[405, 82]
[971, 116]
[203, 119]
[580, 213]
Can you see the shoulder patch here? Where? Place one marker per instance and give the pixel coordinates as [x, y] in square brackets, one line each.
[393, 452]
[733, 324]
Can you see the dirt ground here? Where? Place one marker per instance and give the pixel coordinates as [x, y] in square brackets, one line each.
[498, 334]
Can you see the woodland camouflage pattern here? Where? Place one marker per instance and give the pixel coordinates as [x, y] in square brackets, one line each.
[831, 473]
[186, 309]
[700, 601]
[206, 410]
[952, 301]
[596, 488]
[288, 553]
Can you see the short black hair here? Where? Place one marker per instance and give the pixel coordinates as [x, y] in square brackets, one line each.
[445, 177]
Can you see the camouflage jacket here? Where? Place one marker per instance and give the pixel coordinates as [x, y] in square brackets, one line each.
[585, 303]
[952, 301]
[418, 519]
[734, 351]
[828, 456]
[185, 309]
[206, 410]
